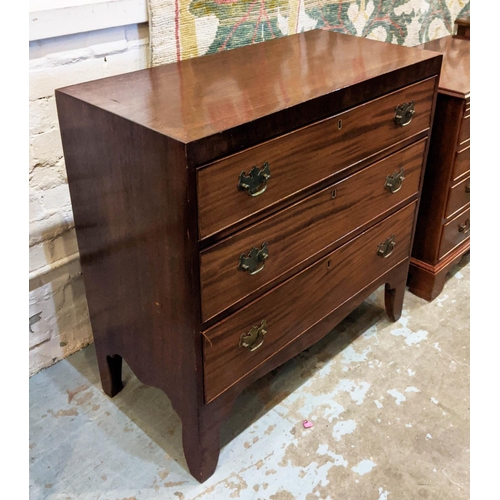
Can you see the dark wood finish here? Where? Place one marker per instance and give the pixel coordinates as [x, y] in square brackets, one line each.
[455, 72]
[110, 371]
[319, 289]
[291, 200]
[394, 279]
[307, 156]
[443, 149]
[458, 197]
[447, 171]
[395, 285]
[462, 163]
[296, 235]
[394, 296]
[135, 148]
[216, 105]
[452, 234]
[462, 25]
[133, 242]
[427, 281]
[465, 129]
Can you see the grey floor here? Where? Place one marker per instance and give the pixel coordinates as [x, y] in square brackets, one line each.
[389, 403]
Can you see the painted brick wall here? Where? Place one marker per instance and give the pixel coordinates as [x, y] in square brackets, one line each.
[59, 323]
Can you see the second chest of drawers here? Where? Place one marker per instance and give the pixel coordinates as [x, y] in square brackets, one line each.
[443, 229]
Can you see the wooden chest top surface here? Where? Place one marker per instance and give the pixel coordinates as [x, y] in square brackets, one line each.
[455, 72]
[200, 97]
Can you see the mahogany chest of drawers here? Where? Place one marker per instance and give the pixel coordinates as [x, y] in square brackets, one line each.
[232, 209]
[443, 229]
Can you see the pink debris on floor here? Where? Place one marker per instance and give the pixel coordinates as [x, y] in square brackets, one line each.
[307, 424]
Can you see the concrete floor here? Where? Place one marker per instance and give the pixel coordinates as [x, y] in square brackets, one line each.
[389, 403]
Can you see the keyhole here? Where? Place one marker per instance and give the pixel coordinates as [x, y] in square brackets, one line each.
[329, 264]
[340, 124]
[334, 194]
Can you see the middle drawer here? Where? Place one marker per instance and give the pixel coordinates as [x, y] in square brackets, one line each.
[252, 258]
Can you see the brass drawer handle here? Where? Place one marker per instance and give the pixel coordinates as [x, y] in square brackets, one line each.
[404, 113]
[255, 260]
[394, 182]
[255, 183]
[465, 227]
[467, 189]
[386, 247]
[253, 339]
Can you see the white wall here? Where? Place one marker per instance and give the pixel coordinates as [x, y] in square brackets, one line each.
[71, 41]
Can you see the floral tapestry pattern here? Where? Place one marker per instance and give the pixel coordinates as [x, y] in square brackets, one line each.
[187, 28]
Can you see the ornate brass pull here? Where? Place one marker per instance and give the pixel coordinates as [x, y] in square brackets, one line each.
[254, 338]
[255, 260]
[386, 247]
[394, 182]
[467, 189]
[465, 227]
[404, 113]
[255, 183]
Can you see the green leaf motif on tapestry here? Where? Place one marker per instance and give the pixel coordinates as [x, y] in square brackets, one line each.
[384, 16]
[465, 12]
[332, 16]
[241, 22]
[438, 9]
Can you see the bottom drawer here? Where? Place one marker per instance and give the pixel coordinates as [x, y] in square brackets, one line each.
[244, 340]
[454, 232]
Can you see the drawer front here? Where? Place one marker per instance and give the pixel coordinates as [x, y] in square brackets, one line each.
[304, 229]
[296, 305]
[462, 163]
[465, 129]
[304, 157]
[458, 197]
[455, 232]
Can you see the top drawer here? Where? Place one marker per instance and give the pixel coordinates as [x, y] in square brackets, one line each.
[305, 157]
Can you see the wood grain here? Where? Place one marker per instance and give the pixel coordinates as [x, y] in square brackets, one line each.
[394, 278]
[455, 71]
[319, 289]
[133, 144]
[465, 129]
[462, 163]
[448, 165]
[451, 236]
[139, 263]
[308, 227]
[427, 281]
[458, 197]
[307, 156]
[437, 179]
[218, 104]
